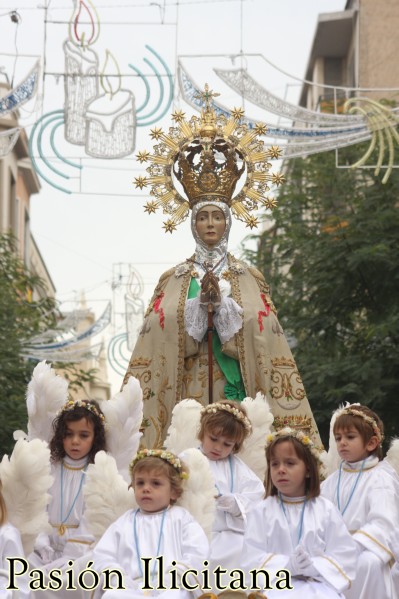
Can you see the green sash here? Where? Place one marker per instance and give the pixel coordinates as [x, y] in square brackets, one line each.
[234, 388]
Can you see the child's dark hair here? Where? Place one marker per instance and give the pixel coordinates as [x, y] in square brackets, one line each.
[72, 412]
[365, 421]
[303, 452]
[227, 418]
[160, 466]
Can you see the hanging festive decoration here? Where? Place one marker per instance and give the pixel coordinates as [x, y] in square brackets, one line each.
[65, 343]
[121, 345]
[24, 92]
[362, 120]
[110, 118]
[81, 71]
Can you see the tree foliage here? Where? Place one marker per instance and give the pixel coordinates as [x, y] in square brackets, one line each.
[25, 311]
[331, 257]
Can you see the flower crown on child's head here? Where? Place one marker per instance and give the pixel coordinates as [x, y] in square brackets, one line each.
[353, 411]
[167, 456]
[71, 404]
[212, 408]
[300, 436]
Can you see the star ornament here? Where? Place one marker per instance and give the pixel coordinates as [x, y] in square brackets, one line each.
[178, 116]
[150, 207]
[169, 226]
[140, 182]
[143, 156]
[156, 133]
[274, 152]
[270, 203]
[260, 129]
[237, 113]
[252, 222]
[278, 179]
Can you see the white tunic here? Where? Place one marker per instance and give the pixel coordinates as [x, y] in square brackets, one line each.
[172, 534]
[232, 477]
[271, 538]
[370, 505]
[11, 546]
[65, 513]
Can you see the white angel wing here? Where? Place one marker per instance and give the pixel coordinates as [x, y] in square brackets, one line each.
[106, 494]
[261, 418]
[332, 460]
[392, 456]
[47, 393]
[26, 480]
[184, 426]
[199, 489]
[123, 416]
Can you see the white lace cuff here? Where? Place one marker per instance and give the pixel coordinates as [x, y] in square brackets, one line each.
[195, 319]
[228, 319]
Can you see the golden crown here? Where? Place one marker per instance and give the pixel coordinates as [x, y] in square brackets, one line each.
[208, 156]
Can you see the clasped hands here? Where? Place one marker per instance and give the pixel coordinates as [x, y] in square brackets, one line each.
[300, 564]
[210, 290]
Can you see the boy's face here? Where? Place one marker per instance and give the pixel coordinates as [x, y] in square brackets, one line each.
[153, 491]
[79, 438]
[351, 447]
[216, 446]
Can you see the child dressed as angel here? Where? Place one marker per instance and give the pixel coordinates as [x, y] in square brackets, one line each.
[156, 528]
[223, 428]
[79, 434]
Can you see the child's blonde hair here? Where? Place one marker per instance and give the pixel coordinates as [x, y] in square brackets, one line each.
[227, 418]
[365, 421]
[175, 472]
[3, 508]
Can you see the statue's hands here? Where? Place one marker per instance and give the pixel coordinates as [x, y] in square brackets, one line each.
[210, 291]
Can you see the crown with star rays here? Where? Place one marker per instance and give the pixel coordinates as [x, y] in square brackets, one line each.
[208, 156]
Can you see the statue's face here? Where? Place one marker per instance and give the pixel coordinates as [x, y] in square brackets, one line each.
[210, 225]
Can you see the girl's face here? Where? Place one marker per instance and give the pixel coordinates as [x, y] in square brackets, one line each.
[153, 491]
[216, 446]
[79, 438]
[351, 447]
[210, 224]
[287, 471]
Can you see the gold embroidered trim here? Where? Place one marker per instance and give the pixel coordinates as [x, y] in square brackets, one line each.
[338, 568]
[361, 532]
[71, 467]
[181, 333]
[293, 502]
[267, 560]
[357, 471]
[236, 295]
[64, 525]
[78, 541]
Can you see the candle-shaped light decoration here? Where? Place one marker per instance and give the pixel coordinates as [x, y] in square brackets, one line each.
[81, 71]
[111, 118]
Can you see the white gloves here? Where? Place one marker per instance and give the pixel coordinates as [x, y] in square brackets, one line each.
[44, 549]
[227, 503]
[300, 564]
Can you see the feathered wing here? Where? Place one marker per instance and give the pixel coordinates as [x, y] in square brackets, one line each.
[199, 489]
[26, 480]
[392, 456]
[47, 393]
[123, 416]
[106, 494]
[184, 426]
[332, 460]
[261, 418]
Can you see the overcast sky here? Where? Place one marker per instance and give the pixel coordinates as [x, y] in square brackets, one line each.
[82, 236]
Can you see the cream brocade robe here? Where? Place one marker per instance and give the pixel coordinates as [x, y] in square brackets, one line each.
[171, 365]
